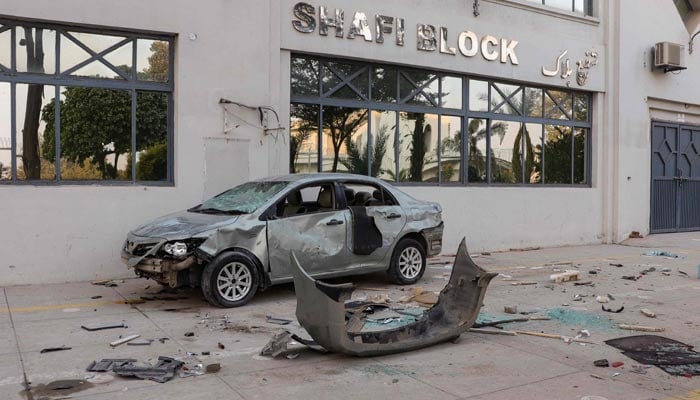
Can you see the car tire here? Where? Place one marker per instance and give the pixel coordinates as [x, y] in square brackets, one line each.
[407, 262]
[230, 280]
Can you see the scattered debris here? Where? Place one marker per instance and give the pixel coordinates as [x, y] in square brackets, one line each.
[648, 313]
[596, 377]
[601, 363]
[638, 369]
[92, 328]
[189, 334]
[213, 368]
[52, 349]
[635, 235]
[631, 277]
[161, 372]
[142, 342]
[673, 357]
[493, 332]
[191, 370]
[566, 276]
[660, 253]
[510, 309]
[617, 364]
[610, 310]
[592, 272]
[585, 283]
[221, 346]
[524, 283]
[106, 283]
[277, 321]
[554, 336]
[641, 328]
[206, 353]
[683, 273]
[420, 296]
[96, 297]
[278, 345]
[499, 322]
[602, 299]
[123, 340]
[616, 265]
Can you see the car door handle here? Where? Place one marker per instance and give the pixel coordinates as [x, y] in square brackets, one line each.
[393, 216]
[334, 222]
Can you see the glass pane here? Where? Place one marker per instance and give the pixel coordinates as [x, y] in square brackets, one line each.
[478, 95]
[451, 148]
[580, 155]
[578, 6]
[564, 5]
[36, 147]
[303, 144]
[557, 154]
[383, 148]
[5, 52]
[384, 86]
[151, 137]
[533, 153]
[451, 92]
[304, 77]
[412, 80]
[36, 50]
[476, 172]
[97, 69]
[96, 42]
[506, 152]
[554, 97]
[418, 147]
[344, 140]
[5, 134]
[332, 73]
[95, 134]
[153, 60]
[122, 58]
[533, 102]
[510, 92]
[71, 54]
[581, 107]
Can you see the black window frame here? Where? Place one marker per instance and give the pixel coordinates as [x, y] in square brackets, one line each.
[587, 6]
[60, 80]
[464, 114]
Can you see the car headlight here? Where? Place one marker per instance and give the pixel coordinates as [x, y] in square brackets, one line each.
[176, 249]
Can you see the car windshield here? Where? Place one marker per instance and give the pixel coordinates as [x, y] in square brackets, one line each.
[242, 199]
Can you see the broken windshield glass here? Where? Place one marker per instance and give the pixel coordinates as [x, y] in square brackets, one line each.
[242, 199]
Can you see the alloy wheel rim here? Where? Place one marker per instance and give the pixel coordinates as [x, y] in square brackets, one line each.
[410, 262]
[234, 281]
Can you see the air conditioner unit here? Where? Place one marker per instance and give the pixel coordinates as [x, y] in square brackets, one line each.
[668, 56]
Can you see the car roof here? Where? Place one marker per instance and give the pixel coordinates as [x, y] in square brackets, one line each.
[323, 176]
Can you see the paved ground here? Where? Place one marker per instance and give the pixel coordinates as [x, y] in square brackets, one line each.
[478, 366]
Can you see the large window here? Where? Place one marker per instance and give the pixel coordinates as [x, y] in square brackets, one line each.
[577, 6]
[413, 126]
[84, 104]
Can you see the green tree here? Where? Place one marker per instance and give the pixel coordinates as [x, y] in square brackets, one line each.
[356, 161]
[34, 45]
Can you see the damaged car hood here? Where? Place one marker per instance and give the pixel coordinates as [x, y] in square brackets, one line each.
[183, 224]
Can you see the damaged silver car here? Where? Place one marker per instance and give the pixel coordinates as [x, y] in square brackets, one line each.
[240, 241]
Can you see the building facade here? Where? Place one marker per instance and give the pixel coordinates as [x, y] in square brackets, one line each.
[533, 122]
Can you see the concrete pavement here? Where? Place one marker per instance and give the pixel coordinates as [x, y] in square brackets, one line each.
[478, 366]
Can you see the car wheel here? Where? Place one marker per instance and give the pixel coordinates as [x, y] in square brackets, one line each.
[407, 262]
[230, 280]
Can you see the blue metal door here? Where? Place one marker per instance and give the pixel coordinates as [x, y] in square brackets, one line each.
[675, 178]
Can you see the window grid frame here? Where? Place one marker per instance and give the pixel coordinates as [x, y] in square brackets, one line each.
[464, 114]
[63, 79]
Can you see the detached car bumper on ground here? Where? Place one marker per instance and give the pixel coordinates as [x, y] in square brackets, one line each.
[240, 241]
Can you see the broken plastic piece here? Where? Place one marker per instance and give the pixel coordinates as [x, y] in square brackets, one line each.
[648, 312]
[107, 364]
[601, 363]
[566, 276]
[321, 311]
[277, 321]
[52, 349]
[619, 310]
[92, 328]
[162, 372]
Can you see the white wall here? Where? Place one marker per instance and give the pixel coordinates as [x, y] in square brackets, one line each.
[63, 233]
[644, 23]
